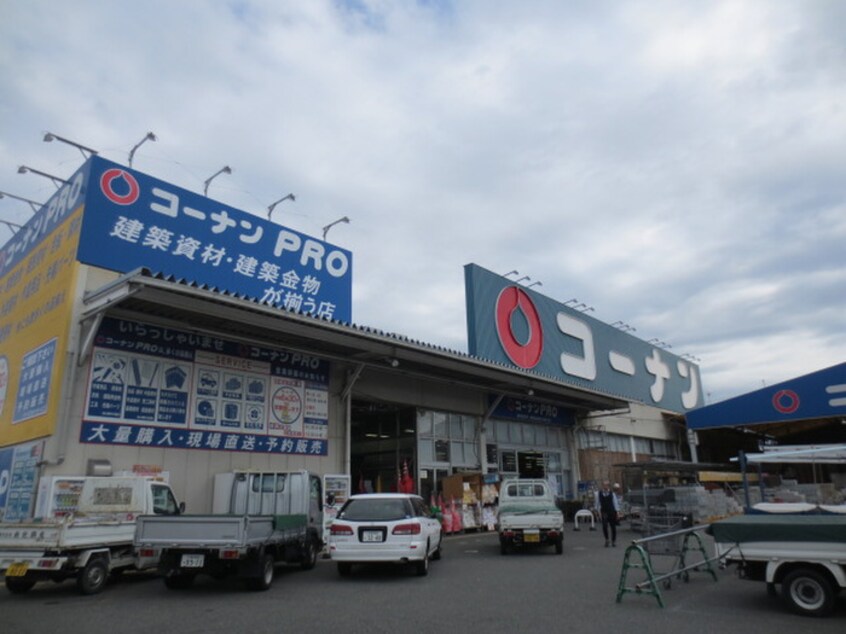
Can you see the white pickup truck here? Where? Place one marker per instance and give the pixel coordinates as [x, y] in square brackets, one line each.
[88, 545]
[260, 519]
[804, 553]
[528, 516]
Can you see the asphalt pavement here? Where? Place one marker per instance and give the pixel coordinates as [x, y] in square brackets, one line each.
[472, 589]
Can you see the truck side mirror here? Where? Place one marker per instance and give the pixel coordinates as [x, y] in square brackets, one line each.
[181, 508]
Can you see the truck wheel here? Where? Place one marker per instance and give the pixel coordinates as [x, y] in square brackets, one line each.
[344, 568]
[308, 557]
[19, 585]
[504, 547]
[265, 579]
[178, 582]
[93, 577]
[421, 568]
[559, 545]
[808, 592]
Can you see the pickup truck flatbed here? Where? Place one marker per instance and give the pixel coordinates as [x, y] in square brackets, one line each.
[805, 554]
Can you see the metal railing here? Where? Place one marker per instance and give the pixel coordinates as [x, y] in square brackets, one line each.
[688, 541]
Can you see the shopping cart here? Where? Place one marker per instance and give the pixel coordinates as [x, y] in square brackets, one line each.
[663, 525]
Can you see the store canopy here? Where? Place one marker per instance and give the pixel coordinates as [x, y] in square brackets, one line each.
[212, 310]
[819, 395]
[800, 454]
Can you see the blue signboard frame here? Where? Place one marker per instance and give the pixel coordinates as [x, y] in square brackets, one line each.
[133, 220]
[527, 410]
[518, 327]
[821, 394]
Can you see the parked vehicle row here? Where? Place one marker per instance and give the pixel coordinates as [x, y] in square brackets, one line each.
[259, 520]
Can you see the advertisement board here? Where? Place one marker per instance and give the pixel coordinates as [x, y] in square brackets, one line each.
[133, 220]
[516, 326]
[161, 387]
[38, 272]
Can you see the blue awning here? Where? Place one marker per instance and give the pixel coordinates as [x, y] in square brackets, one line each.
[821, 394]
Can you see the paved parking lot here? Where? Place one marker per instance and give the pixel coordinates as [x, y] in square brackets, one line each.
[472, 589]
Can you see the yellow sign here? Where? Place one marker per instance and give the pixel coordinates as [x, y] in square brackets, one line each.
[36, 301]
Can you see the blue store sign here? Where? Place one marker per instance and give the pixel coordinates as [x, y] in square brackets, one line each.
[133, 220]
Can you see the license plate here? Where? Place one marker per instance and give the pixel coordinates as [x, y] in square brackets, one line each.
[531, 537]
[17, 569]
[192, 561]
[371, 536]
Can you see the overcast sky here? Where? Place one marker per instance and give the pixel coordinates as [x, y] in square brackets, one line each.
[678, 166]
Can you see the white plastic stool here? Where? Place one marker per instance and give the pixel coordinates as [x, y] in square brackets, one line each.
[585, 515]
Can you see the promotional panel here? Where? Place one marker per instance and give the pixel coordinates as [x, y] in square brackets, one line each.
[38, 272]
[18, 476]
[514, 325]
[157, 386]
[133, 220]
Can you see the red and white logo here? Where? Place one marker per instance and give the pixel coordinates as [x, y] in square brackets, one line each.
[786, 401]
[127, 193]
[525, 354]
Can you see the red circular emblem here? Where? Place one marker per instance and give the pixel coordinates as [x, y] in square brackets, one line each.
[528, 354]
[107, 183]
[786, 401]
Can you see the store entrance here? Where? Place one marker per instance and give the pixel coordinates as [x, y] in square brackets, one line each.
[525, 464]
[530, 464]
[382, 442]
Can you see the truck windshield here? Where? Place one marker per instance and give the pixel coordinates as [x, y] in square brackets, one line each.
[163, 502]
[525, 490]
[381, 510]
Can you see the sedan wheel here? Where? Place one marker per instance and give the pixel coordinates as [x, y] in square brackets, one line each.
[422, 566]
[436, 556]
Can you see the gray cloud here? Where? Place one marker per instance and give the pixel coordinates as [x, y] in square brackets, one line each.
[677, 165]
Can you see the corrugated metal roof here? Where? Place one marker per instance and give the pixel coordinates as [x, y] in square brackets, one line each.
[180, 301]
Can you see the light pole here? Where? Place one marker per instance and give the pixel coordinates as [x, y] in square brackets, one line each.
[223, 170]
[148, 137]
[58, 182]
[35, 205]
[49, 136]
[13, 226]
[332, 224]
[273, 205]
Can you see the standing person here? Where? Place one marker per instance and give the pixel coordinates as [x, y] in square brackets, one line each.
[608, 506]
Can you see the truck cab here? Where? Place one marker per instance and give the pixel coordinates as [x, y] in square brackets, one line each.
[124, 497]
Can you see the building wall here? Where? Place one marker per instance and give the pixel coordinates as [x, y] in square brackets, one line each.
[598, 454]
